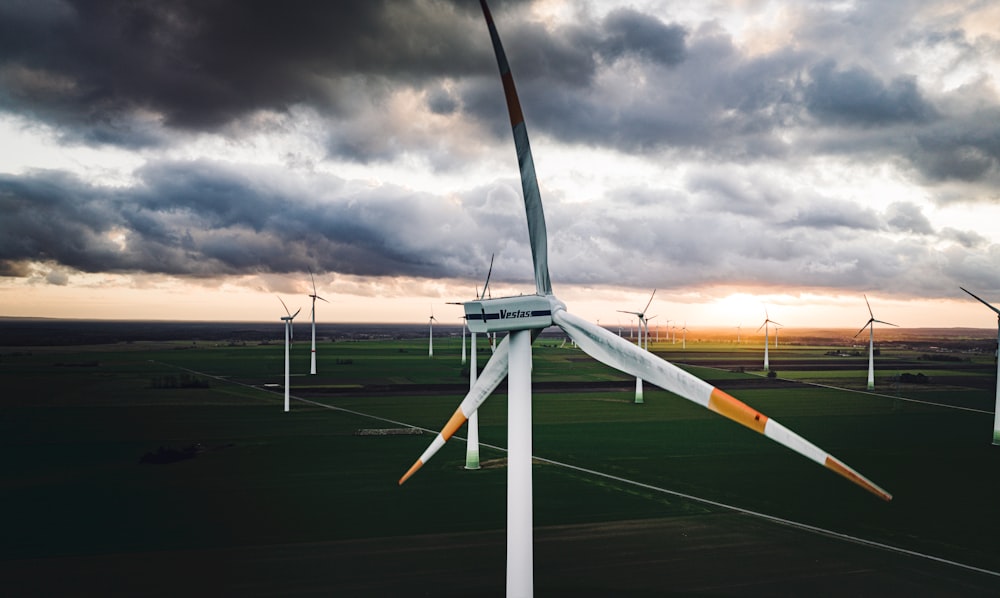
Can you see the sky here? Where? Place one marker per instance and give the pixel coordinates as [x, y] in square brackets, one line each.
[193, 159]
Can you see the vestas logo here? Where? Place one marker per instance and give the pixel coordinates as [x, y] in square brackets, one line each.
[507, 314]
[515, 313]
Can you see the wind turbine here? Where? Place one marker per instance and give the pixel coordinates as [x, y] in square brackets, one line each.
[996, 411]
[639, 314]
[738, 329]
[289, 334]
[472, 444]
[430, 335]
[870, 325]
[767, 320]
[776, 329]
[524, 317]
[314, 297]
[684, 339]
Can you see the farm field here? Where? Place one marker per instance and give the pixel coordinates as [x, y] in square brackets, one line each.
[249, 500]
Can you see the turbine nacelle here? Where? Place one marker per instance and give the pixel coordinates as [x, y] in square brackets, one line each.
[505, 314]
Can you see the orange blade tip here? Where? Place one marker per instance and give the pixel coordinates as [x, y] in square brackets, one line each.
[857, 478]
[411, 471]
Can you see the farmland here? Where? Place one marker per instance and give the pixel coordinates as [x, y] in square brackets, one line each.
[249, 500]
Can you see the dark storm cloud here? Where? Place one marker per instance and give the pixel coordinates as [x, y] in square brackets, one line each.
[630, 32]
[89, 65]
[205, 219]
[854, 96]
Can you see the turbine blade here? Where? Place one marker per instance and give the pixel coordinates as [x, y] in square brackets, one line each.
[863, 327]
[526, 164]
[321, 299]
[775, 323]
[296, 313]
[489, 378]
[313, 281]
[870, 314]
[887, 323]
[762, 325]
[634, 313]
[981, 301]
[488, 274]
[648, 303]
[283, 305]
[622, 355]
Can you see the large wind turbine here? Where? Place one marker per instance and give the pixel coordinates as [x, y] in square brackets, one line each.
[996, 410]
[767, 320]
[524, 317]
[289, 334]
[314, 297]
[639, 314]
[870, 325]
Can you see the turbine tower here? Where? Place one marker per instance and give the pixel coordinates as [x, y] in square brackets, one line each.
[870, 325]
[430, 334]
[642, 321]
[289, 334]
[314, 297]
[684, 339]
[767, 320]
[996, 411]
[524, 317]
[738, 329]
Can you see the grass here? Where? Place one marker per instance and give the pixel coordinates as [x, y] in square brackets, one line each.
[75, 423]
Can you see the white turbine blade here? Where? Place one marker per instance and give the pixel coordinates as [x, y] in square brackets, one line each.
[775, 323]
[617, 353]
[650, 302]
[320, 298]
[981, 301]
[488, 274]
[762, 325]
[313, 281]
[886, 323]
[863, 327]
[285, 306]
[489, 378]
[870, 314]
[634, 313]
[526, 164]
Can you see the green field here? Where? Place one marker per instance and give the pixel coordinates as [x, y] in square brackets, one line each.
[275, 503]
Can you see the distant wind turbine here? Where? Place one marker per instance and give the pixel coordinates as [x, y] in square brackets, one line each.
[767, 320]
[738, 329]
[289, 334]
[684, 340]
[472, 444]
[314, 297]
[524, 317]
[430, 336]
[996, 410]
[641, 315]
[870, 325]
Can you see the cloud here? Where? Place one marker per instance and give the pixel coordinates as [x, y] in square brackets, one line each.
[854, 96]
[906, 216]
